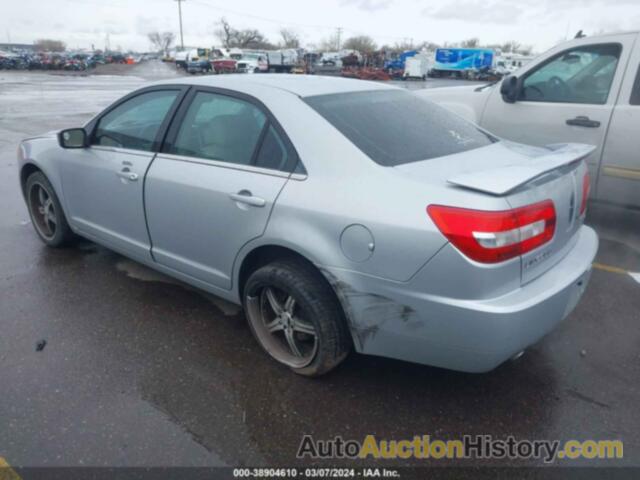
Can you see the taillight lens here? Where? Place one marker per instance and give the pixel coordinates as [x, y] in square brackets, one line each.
[586, 188]
[492, 237]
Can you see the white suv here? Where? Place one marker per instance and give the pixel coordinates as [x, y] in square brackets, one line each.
[585, 91]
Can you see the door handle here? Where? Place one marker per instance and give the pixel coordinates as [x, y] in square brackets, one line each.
[127, 175]
[583, 121]
[245, 196]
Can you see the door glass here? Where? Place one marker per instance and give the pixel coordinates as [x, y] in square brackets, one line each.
[218, 127]
[581, 75]
[135, 123]
[273, 153]
[635, 93]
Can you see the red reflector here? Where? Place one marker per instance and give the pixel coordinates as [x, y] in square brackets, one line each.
[586, 188]
[492, 237]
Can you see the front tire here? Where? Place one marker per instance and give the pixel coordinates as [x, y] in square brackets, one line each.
[46, 213]
[295, 316]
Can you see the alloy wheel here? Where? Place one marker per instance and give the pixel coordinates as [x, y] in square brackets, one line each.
[280, 324]
[43, 211]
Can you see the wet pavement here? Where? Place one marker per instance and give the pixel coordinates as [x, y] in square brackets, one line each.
[140, 370]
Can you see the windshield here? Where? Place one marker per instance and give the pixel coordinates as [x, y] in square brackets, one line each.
[394, 127]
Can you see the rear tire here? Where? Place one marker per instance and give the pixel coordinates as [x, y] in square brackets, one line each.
[296, 318]
[47, 216]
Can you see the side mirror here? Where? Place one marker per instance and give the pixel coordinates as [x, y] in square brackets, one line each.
[73, 138]
[510, 89]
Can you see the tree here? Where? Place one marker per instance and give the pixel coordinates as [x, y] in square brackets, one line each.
[247, 38]
[162, 41]
[49, 45]
[510, 47]
[225, 33]
[330, 43]
[470, 43]
[361, 43]
[251, 38]
[290, 39]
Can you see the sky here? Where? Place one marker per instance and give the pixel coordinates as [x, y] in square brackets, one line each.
[538, 23]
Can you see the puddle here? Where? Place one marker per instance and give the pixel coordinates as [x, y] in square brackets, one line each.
[138, 271]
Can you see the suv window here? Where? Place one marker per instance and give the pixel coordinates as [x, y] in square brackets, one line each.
[393, 127]
[135, 123]
[218, 127]
[580, 75]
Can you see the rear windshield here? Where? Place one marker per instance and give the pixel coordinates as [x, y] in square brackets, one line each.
[394, 127]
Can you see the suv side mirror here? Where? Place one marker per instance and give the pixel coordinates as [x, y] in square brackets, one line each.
[510, 89]
[73, 138]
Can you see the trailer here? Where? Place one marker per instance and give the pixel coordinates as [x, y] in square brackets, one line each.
[461, 61]
[417, 66]
[282, 61]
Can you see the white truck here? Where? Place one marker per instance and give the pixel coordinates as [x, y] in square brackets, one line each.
[586, 91]
[253, 62]
[282, 60]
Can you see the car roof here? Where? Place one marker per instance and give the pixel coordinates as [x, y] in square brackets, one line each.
[300, 85]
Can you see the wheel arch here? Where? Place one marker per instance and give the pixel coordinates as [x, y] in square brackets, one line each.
[263, 254]
[25, 171]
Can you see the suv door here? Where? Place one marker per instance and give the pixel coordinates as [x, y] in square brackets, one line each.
[103, 183]
[567, 96]
[212, 188]
[619, 177]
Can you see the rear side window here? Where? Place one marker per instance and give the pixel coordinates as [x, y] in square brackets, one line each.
[635, 94]
[273, 153]
[218, 127]
[394, 127]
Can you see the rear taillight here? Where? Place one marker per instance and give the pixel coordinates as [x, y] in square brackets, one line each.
[492, 237]
[586, 187]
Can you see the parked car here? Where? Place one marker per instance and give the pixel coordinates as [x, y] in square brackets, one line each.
[340, 213]
[586, 90]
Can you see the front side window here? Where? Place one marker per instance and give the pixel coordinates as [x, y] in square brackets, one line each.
[218, 127]
[135, 123]
[581, 75]
[393, 127]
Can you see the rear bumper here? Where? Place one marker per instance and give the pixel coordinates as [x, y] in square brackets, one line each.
[397, 320]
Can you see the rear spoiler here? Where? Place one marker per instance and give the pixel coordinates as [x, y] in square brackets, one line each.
[502, 180]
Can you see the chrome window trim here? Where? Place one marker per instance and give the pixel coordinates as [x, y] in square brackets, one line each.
[129, 151]
[223, 164]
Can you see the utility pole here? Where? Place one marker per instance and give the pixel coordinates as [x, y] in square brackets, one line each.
[338, 36]
[180, 16]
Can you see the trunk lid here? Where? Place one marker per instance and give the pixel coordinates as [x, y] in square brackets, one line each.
[521, 175]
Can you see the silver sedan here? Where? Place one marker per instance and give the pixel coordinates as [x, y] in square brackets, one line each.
[341, 214]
